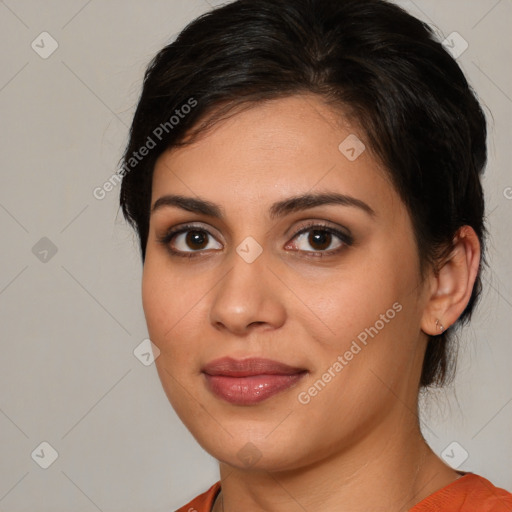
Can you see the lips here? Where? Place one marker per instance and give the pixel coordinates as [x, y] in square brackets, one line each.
[249, 381]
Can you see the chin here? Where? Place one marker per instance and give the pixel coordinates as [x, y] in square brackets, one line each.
[246, 447]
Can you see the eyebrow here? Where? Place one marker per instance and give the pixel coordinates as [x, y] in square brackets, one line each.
[277, 210]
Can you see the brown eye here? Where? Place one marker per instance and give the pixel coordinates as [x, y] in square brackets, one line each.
[320, 239]
[196, 239]
[188, 240]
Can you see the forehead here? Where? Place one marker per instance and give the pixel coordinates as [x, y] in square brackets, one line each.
[274, 149]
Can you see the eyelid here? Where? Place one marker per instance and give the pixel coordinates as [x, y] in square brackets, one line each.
[187, 226]
[345, 238]
[323, 224]
[174, 231]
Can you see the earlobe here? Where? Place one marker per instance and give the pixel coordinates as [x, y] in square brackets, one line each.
[452, 286]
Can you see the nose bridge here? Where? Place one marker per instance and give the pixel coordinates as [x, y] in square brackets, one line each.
[244, 296]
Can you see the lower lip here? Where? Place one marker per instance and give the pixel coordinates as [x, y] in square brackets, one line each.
[252, 389]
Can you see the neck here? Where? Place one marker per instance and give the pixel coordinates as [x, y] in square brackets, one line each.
[391, 469]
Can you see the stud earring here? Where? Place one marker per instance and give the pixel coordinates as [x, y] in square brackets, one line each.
[440, 326]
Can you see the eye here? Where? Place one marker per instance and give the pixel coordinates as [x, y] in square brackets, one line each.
[187, 240]
[323, 239]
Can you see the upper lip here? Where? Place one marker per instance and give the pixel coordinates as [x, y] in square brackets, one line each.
[230, 367]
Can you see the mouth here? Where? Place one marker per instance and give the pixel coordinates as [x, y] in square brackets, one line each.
[249, 381]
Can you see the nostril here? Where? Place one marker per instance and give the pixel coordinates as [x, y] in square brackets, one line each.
[256, 323]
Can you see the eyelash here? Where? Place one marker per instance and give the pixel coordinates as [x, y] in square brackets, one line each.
[346, 239]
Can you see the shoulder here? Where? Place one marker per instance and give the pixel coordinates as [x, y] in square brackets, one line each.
[470, 493]
[203, 502]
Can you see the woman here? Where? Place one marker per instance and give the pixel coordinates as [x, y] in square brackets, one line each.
[304, 178]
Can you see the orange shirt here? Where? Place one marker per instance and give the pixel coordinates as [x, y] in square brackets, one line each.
[469, 493]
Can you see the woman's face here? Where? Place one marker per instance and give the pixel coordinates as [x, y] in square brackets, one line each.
[288, 319]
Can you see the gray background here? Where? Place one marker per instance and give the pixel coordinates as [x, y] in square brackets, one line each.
[70, 321]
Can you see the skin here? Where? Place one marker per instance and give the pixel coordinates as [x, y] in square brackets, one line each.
[357, 442]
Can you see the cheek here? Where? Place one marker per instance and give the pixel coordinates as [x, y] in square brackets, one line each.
[168, 303]
[176, 307]
[157, 302]
[353, 303]
[372, 318]
[169, 308]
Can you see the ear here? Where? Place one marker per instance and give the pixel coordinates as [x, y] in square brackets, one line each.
[452, 287]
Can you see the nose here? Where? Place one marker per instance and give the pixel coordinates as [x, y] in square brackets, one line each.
[248, 297]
